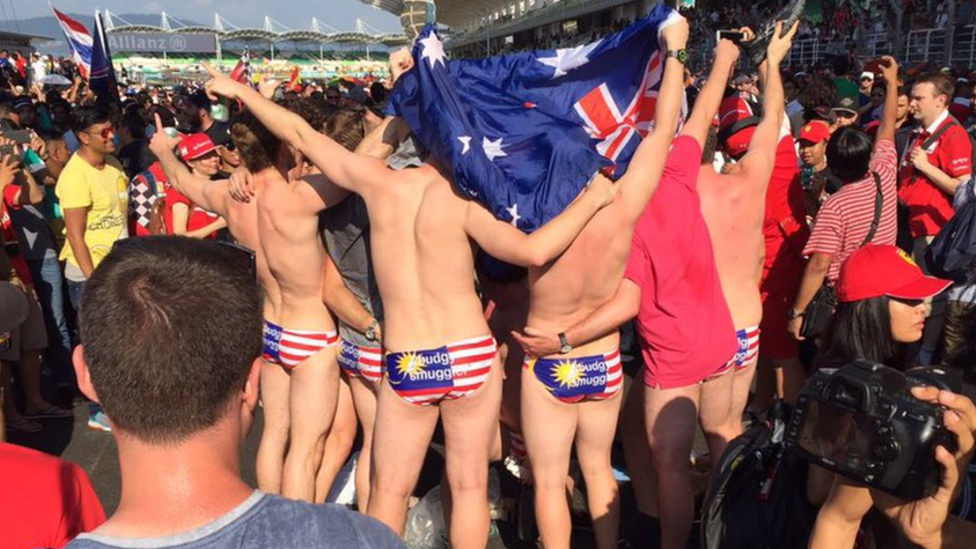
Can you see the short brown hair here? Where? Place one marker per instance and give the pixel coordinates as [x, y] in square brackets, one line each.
[942, 82]
[258, 146]
[347, 127]
[171, 327]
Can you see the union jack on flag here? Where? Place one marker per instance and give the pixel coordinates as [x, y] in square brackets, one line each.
[525, 133]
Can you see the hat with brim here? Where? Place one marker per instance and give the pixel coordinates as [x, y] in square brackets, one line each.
[885, 270]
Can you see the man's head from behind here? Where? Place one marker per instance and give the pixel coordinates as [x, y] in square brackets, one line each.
[259, 148]
[849, 154]
[931, 96]
[171, 332]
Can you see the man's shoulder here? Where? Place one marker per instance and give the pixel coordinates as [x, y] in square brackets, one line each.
[330, 525]
[272, 521]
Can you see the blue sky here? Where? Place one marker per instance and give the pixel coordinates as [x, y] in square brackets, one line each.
[296, 14]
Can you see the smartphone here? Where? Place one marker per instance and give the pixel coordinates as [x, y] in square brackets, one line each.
[736, 37]
[7, 150]
[20, 137]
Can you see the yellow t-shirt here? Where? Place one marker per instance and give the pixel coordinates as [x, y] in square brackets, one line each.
[104, 193]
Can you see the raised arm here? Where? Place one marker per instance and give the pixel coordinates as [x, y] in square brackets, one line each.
[710, 98]
[757, 165]
[645, 169]
[889, 70]
[342, 167]
[211, 196]
[503, 241]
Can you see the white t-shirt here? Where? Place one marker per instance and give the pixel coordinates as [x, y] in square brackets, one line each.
[39, 69]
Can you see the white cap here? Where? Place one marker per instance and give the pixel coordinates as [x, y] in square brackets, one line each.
[866, 74]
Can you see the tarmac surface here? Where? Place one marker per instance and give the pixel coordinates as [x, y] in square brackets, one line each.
[96, 452]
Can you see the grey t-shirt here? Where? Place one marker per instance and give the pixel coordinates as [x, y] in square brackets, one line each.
[345, 229]
[267, 522]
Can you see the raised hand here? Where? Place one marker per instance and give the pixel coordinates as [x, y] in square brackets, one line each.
[401, 61]
[889, 69]
[727, 51]
[780, 44]
[10, 168]
[220, 85]
[675, 35]
[161, 142]
[267, 85]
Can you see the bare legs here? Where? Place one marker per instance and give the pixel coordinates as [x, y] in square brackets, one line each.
[312, 405]
[338, 445]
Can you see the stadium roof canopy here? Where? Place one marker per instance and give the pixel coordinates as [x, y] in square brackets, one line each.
[453, 13]
[271, 32]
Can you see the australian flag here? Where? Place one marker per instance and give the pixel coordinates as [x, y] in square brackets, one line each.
[525, 133]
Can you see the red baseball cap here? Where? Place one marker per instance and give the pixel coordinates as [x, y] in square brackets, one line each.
[736, 125]
[877, 270]
[815, 132]
[196, 145]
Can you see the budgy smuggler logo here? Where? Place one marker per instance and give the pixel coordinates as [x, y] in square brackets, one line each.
[424, 367]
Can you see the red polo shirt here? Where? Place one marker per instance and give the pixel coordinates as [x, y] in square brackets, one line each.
[684, 324]
[929, 207]
[44, 501]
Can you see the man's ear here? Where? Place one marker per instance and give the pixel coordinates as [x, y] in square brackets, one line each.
[82, 373]
[252, 385]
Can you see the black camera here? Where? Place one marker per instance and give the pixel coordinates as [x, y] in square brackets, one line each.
[862, 422]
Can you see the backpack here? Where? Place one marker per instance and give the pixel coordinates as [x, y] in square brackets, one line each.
[758, 496]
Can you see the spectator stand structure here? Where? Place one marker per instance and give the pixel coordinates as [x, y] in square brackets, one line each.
[316, 43]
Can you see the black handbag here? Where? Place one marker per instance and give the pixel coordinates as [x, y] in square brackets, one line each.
[820, 312]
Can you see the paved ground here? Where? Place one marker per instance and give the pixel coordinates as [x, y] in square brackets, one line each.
[96, 453]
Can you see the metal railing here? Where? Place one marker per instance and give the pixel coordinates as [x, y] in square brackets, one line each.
[919, 46]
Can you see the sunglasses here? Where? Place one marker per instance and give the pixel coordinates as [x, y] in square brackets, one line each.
[104, 133]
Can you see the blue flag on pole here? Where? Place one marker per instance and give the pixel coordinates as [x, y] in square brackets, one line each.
[102, 78]
[523, 134]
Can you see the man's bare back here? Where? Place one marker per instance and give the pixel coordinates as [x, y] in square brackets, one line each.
[583, 278]
[423, 261]
[733, 210]
[288, 233]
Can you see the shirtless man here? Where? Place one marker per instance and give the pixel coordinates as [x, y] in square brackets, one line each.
[301, 338]
[575, 395]
[441, 359]
[733, 205]
[686, 330]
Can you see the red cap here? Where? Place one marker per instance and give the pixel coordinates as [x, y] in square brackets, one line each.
[736, 124]
[196, 145]
[877, 270]
[815, 132]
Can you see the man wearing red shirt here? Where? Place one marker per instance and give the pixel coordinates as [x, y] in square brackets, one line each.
[939, 159]
[44, 501]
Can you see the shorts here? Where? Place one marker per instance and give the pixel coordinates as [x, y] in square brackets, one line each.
[30, 335]
[450, 372]
[360, 361]
[289, 348]
[572, 380]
